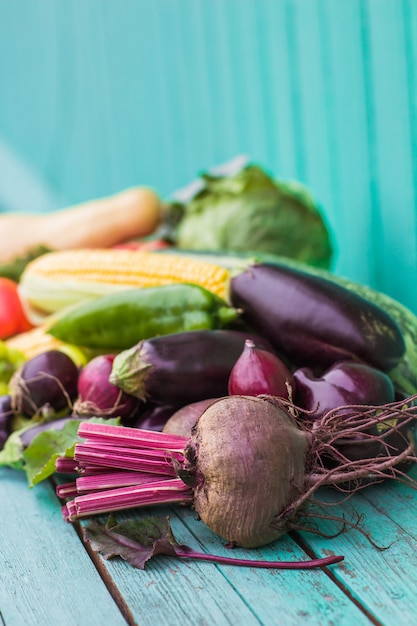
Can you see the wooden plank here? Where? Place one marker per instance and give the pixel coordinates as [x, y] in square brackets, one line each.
[396, 502]
[45, 561]
[46, 576]
[302, 597]
[384, 581]
[170, 591]
[323, 90]
[22, 188]
[174, 592]
[278, 67]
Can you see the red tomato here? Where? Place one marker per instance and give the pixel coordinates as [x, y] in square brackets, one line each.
[12, 317]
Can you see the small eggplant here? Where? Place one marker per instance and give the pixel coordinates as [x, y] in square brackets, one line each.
[350, 387]
[151, 417]
[181, 368]
[344, 383]
[314, 322]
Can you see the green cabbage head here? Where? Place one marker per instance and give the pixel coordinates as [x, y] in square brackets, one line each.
[250, 211]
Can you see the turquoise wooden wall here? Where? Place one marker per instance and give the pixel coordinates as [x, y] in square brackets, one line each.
[98, 95]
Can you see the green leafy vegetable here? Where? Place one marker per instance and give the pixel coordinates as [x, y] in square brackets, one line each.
[40, 456]
[12, 453]
[248, 210]
[137, 541]
[14, 269]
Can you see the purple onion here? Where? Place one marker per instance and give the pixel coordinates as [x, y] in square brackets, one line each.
[345, 385]
[258, 372]
[98, 396]
[46, 382]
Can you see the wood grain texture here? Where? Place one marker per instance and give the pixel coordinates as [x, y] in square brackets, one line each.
[187, 593]
[383, 580]
[46, 572]
[46, 577]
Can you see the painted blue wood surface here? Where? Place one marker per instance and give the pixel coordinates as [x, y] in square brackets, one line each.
[44, 576]
[98, 95]
[48, 578]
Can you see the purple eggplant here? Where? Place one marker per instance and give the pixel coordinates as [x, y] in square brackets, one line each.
[314, 322]
[153, 417]
[181, 368]
[345, 383]
[351, 387]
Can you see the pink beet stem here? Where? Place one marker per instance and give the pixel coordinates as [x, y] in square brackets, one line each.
[132, 437]
[156, 461]
[67, 490]
[66, 465]
[112, 480]
[166, 491]
[225, 560]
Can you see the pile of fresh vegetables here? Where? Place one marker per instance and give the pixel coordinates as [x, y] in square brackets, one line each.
[241, 406]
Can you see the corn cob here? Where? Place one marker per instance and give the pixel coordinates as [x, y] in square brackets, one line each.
[33, 342]
[57, 280]
[38, 340]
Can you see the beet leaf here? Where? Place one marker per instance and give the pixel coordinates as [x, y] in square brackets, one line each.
[137, 541]
[38, 459]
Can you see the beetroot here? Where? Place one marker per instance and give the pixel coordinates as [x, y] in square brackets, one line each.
[249, 469]
[240, 483]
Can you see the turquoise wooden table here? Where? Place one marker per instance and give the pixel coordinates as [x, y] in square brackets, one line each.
[49, 577]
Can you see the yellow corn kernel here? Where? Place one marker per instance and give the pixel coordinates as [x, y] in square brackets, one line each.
[60, 279]
[34, 342]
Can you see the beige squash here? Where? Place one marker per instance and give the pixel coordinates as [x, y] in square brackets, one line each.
[101, 223]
